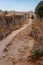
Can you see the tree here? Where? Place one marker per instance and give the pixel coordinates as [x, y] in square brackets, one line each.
[39, 10]
[32, 17]
[6, 12]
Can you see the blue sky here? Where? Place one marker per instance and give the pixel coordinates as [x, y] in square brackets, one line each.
[18, 5]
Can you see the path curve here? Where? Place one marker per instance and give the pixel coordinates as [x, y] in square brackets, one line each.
[10, 37]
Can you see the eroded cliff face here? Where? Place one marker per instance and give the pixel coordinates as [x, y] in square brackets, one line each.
[10, 22]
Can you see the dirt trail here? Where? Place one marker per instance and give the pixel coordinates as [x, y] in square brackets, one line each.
[10, 37]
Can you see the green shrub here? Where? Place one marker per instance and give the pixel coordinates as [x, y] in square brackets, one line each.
[36, 54]
[39, 10]
[6, 12]
[32, 17]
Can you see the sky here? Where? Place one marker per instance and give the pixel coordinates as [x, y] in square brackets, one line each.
[18, 5]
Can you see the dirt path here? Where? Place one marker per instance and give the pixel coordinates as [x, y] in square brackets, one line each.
[9, 38]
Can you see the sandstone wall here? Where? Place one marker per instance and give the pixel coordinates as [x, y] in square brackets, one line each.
[10, 22]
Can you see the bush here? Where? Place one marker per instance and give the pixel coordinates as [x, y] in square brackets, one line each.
[6, 12]
[32, 17]
[36, 54]
[39, 10]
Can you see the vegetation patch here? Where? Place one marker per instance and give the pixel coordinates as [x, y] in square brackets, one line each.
[35, 55]
[39, 10]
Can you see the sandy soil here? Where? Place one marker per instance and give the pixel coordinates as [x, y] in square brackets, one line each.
[15, 49]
